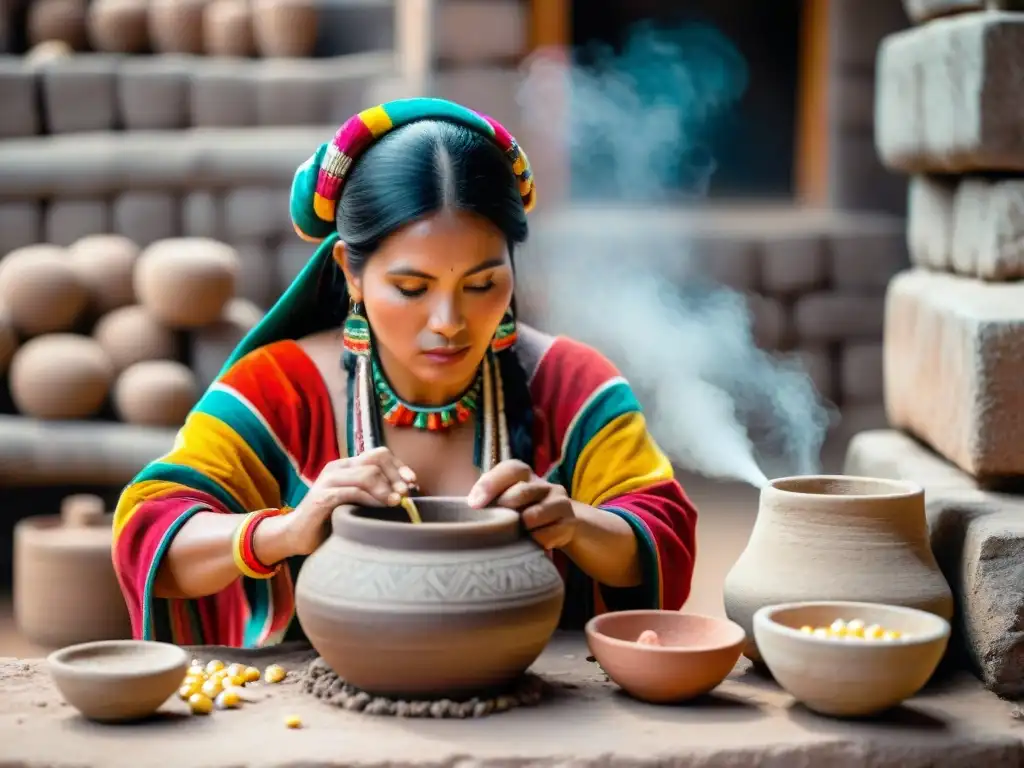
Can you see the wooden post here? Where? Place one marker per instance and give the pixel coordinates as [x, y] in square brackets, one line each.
[414, 44]
[812, 146]
[550, 24]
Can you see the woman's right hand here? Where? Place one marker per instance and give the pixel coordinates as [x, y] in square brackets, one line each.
[372, 479]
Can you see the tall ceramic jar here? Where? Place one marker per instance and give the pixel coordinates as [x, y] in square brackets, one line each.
[65, 589]
[837, 538]
[460, 603]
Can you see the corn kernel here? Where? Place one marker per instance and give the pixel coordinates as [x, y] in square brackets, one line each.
[821, 632]
[234, 670]
[196, 670]
[807, 629]
[189, 687]
[237, 681]
[252, 674]
[214, 666]
[889, 636]
[838, 627]
[211, 688]
[873, 632]
[200, 704]
[274, 673]
[293, 721]
[228, 699]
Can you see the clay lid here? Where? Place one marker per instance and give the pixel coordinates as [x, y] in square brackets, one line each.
[449, 523]
[83, 523]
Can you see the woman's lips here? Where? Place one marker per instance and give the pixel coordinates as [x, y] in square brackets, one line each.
[445, 355]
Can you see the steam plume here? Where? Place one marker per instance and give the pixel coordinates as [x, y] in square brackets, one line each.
[623, 277]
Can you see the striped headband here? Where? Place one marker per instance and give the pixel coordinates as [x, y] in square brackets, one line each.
[318, 182]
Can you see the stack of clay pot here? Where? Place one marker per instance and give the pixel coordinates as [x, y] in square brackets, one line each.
[270, 28]
[103, 322]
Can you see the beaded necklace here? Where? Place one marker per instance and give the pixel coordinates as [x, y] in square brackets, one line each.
[372, 402]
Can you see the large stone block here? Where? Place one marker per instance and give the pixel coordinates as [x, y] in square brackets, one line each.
[948, 96]
[80, 94]
[153, 92]
[954, 367]
[978, 540]
[146, 217]
[480, 31]
[793, 262]
[820, 366]
[930, 221]
[255, 212]
[20, 114]
[988, 229]
[69, 220]
[866, 251]
[257, 278]
[825, 316]
[21, 224]
[920, 11]
[857, 180]
[861, 372]
[223, 94]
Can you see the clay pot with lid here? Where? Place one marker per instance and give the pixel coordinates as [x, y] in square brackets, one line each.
[461, 603]
[65, 590]
[823, 537]
[285, 28]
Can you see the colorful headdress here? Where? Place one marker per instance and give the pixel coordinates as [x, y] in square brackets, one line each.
[318, 182]
[316, 190]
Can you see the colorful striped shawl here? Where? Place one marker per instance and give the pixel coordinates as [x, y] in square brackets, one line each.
[263, 431]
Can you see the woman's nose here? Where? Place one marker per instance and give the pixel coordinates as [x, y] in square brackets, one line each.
[446, 319]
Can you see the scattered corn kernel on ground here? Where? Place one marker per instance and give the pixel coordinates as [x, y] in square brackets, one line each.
[216, 685]
[854, 629]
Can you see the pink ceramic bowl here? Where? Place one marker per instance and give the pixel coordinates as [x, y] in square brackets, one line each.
[695, 655]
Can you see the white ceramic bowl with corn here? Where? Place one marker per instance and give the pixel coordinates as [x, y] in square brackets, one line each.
[849, 659]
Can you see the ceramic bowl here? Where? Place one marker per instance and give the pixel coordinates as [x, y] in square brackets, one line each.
[850, 678]
[695, 655]
[118, 680]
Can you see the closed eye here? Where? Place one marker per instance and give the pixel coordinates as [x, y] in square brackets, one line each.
[411, 292]
[480, 288]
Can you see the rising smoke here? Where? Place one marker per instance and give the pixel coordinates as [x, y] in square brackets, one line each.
[625, 277]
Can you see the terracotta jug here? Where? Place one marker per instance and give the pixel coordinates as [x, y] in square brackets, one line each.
[65, 590]
[285, 28]
[836, 538]
[460, 603]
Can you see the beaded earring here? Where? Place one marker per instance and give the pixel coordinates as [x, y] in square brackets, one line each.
[505, 336]
[356, 333]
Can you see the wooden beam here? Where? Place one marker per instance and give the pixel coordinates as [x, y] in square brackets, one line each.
[812, 146]
[550, 24]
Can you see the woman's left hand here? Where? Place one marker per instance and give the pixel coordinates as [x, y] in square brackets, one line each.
[546, 508]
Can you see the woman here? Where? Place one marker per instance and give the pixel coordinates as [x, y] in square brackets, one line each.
[437, 391]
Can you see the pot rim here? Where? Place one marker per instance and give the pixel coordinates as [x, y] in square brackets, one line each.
[162, 658]
[739, 635]
[897, 489]
[492, 518]
[764, 618]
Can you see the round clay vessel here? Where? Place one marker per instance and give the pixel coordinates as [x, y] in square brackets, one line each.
[63, 20]
[65, 589]
[106, 264]
[41, 290]
[155, 393]
[60, 376]
[695, 654]
[227, 28]
[461, 603]
[119, 26]
[186, 282]
[131, 335]
[825, 537]
[285, 28]
[118, 680]
[8, 339]
[176, 26]
[850, 678]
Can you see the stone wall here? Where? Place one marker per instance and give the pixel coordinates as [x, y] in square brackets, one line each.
[949, 115]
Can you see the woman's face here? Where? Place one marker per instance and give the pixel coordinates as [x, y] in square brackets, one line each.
[434, 294]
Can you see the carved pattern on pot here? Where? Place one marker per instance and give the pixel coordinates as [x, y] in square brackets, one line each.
[523, 576]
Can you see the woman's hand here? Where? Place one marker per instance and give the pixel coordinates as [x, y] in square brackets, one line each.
[546, 508]
[372, 479]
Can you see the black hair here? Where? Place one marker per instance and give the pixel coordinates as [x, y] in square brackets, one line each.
[415, 171]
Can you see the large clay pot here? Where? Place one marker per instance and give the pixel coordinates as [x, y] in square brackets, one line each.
[284, 28]
[227, 28]
[155, 393]
[41, 289]
[826, 537]
[176, 26]
[60, 376]
[65, 590]
[106, 264]
[186, 282]
[119, 26]
[62, 20]
[458, 604]
[130, 335]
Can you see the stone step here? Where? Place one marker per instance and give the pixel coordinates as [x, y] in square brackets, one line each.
[978, 540]
[954, 363]
[101, 92]
[36, 452]
[948, 98]
[105, 163]
[973, 226]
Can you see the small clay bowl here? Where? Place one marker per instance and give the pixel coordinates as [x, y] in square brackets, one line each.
[695, 655]
[847, 677]
[118, 680]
